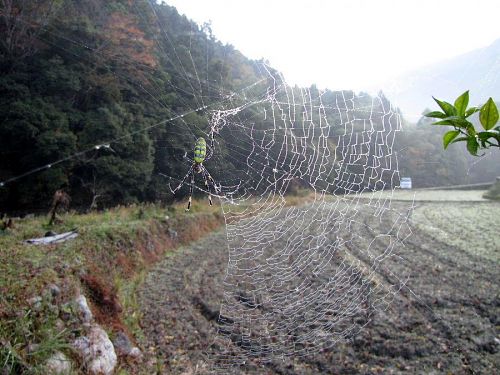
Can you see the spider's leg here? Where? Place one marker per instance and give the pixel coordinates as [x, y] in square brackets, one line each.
[205, 178]
[182, 181]
[211, 180]
[190, 190]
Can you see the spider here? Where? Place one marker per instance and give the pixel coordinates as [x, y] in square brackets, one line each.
[200, 155]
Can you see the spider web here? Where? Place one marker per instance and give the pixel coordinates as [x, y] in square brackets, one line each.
[300, 278]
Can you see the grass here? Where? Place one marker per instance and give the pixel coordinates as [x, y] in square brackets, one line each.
[29, 338]
[107, 261]
[128, 297]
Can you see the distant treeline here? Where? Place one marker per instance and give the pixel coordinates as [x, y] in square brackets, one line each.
[76, 74]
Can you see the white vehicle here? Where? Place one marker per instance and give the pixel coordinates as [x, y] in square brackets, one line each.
[405, 183]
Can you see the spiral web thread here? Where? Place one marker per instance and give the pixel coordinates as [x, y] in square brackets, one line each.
[300, 278]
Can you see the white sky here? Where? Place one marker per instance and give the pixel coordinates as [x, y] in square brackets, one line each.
[348, 44]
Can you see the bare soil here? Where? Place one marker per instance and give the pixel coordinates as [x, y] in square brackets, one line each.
[446, 320]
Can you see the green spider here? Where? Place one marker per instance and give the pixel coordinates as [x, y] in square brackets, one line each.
[200, 156]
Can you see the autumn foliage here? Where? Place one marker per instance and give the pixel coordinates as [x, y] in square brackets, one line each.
[127, 42]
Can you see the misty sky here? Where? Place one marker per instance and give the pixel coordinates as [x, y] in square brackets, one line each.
[348, 44]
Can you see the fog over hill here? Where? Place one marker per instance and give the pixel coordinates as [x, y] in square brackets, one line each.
[477, 71]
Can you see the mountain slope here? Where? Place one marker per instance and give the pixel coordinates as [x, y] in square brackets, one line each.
[478, 71]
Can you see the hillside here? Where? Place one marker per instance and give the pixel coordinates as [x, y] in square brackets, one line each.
[477, 71]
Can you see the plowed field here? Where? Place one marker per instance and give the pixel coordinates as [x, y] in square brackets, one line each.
[446, 320]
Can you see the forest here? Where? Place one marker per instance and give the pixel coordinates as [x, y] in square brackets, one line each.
[107, 100]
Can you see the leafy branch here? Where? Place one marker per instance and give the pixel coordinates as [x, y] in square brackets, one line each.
[457, 115]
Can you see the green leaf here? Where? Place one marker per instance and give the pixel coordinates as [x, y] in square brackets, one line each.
[446, 107]
[461, 103]
[454, 121]
[489, 114]
[435, 114]
[472, 145]
[486, 135]
[459, 139]
[449, 136]
[471, 111]
[471, 130]
[443, 122]
[458, 121]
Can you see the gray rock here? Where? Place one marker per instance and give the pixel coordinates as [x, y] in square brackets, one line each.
[82, 309]
[58, 364]
[124, 347]
[122, 344]
[96, 351]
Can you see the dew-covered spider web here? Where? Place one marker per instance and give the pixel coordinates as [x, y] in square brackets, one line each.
[304, 260]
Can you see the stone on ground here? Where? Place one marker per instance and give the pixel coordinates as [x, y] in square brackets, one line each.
[96, 351]
[58, 364]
